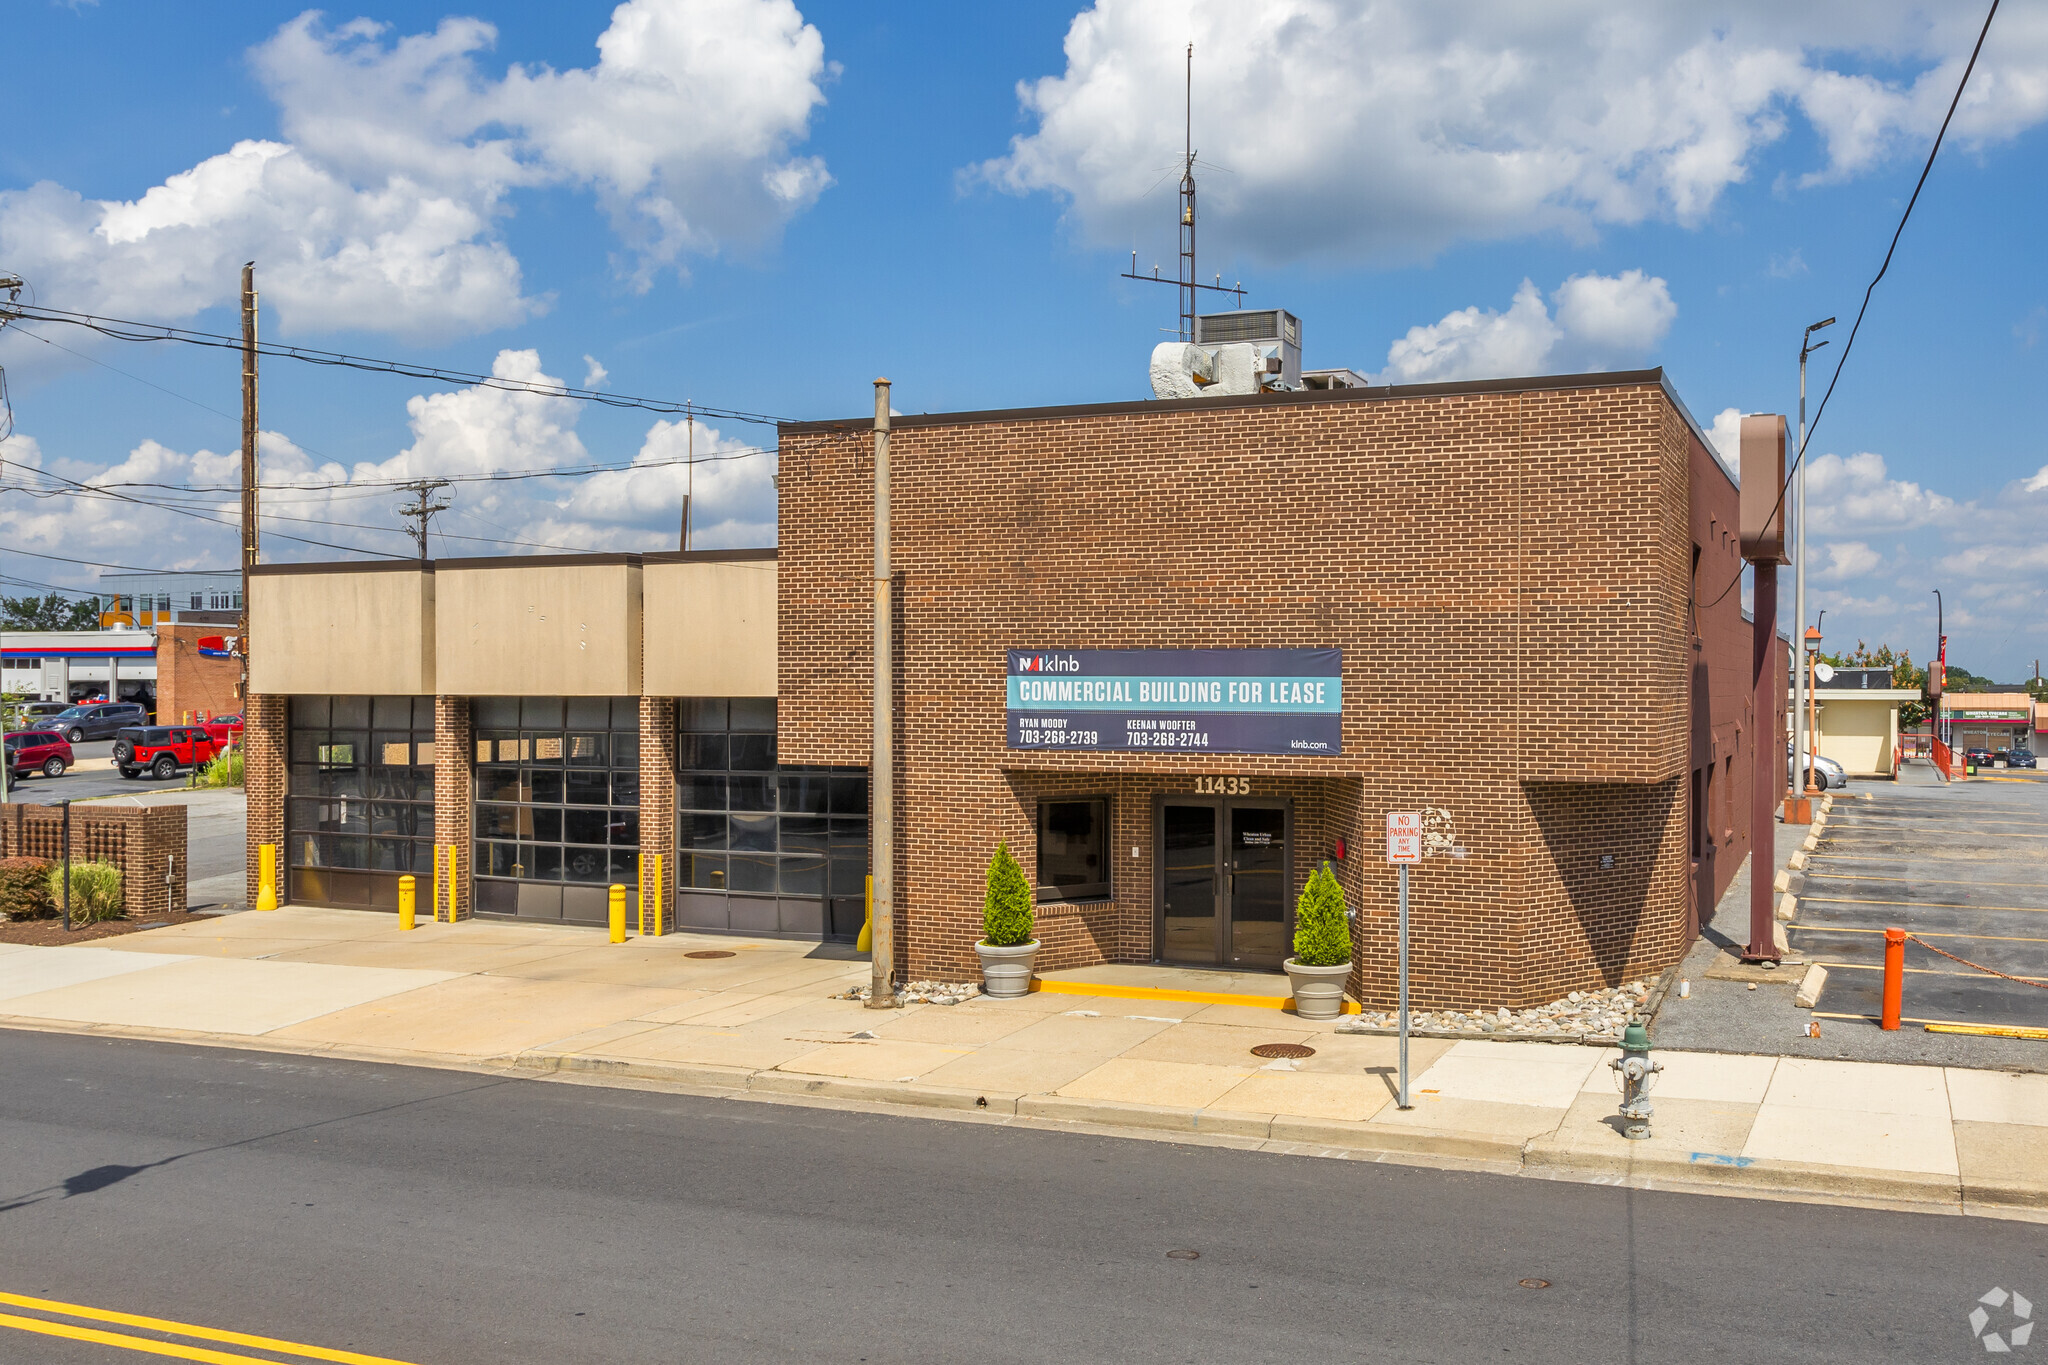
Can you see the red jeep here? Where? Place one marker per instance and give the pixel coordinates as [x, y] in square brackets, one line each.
[161, 750]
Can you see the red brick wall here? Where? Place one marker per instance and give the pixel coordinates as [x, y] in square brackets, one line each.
[263, 779]
[454, 763]
[186, 682]
[658, 807]
[146, 842]
[1506, 573]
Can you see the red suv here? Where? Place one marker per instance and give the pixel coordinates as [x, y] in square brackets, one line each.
[43, 751]
[161, 750]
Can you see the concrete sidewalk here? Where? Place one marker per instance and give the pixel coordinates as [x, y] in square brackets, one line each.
[755, 1018]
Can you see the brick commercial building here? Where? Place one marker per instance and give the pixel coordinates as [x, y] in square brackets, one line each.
[1527, 583]
[1175, 653]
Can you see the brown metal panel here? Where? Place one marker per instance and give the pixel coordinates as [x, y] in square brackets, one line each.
[1763, 485]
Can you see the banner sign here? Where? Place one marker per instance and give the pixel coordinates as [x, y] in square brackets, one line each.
[1219, 701]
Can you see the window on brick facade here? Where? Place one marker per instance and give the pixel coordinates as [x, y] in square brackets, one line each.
[360, 786]
[1073, 849]
[750, 825]
[557, 789]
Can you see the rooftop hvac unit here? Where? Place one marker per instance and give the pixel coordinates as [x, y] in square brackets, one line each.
[1275, 330]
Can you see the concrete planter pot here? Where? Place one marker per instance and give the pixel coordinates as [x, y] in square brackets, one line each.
[1318, 991]
[1006, 972]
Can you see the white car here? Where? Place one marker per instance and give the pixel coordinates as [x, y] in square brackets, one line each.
[1828, 775]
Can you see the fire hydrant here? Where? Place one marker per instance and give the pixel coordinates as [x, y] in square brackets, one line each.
[1635, 1073]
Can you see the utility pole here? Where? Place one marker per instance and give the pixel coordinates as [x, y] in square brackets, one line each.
[249, 437]
[422, 510]
[1798, 802]
[689, 468]
[882, 819]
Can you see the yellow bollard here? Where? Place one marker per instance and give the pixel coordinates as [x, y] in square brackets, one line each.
[618, 912]
[640, 884]
[408, 902]
[435, 892]
[266, 886]
[660, 924]
[453, 883]
[866, 942]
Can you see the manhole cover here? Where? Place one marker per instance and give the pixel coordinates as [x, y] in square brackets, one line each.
[1533, 1284]
[1283, 1050]
[712, 952]
[1183, 1255]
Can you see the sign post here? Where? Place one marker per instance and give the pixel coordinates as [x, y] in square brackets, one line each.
[1404, 846]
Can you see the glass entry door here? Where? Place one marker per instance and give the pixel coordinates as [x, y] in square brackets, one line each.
[1223, 883]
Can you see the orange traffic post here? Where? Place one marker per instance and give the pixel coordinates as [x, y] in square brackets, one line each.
[1894, 977]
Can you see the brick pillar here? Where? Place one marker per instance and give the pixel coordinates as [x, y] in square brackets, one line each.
[658, 801]
[454, 764]
[264, 778]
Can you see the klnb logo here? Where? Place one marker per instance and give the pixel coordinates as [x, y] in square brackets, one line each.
[2018, 1327]
[1048, 663]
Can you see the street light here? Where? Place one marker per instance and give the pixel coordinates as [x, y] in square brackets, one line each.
[1807, 346]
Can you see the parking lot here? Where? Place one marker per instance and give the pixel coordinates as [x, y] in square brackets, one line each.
[93, 775]
[1958, 866]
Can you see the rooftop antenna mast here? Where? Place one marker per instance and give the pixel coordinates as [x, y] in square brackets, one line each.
[1187, 283]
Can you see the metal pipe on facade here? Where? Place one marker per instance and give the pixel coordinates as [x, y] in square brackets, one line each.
[882, 764]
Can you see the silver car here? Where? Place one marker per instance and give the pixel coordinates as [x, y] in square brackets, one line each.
[1828, 775]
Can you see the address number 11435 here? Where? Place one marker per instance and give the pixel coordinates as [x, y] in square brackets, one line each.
[1223, 786]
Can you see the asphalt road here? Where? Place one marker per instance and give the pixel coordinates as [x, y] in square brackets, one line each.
[444, 1217]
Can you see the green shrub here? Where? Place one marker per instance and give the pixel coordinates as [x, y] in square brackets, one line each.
[25, 888]
[223, 770]
[95, 891]
[1006, 913]
[1322, 931]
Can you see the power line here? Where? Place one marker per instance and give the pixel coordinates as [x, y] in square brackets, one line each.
[1898, 232]
[121, 329]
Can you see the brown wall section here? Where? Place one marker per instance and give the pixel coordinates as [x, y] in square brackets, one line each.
[1507, 573]
[146, 842]
[189, 684]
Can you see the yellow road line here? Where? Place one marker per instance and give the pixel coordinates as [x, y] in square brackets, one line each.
[1992, 1030]
[1925, 881]
[182, 1329]
[1937, 1025]
[128, 1343]
[1270, 1002]
[1978, 938]
[1910, 971]
[1937, 905]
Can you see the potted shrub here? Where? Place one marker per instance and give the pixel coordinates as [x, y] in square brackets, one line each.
[1007, 948]
[1322, 948]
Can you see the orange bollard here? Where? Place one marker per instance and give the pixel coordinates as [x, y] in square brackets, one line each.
[1894, 977]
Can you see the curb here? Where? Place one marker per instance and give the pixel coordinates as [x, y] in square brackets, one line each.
[1339, 1138]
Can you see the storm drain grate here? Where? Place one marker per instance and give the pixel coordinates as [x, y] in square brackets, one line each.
[712, 952]
[1295, 1050]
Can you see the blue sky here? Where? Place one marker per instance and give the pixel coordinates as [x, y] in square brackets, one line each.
[761, 206]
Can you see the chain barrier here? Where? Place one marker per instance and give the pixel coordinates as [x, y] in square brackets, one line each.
[1993, 971]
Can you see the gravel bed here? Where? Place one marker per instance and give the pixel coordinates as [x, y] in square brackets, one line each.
[1593, 1016]
[921, 992]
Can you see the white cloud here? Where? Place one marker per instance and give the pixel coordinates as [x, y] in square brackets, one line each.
[1849, 559]
[1601, 321]
[593, 372]
[463, 432]
[1856, 493]
[1394, 128]
[2039, 483]
[379, 208]
[1726, 438]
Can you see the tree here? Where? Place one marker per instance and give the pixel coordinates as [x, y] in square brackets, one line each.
[51, 612]
[1006, 908]
[1322, 930]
